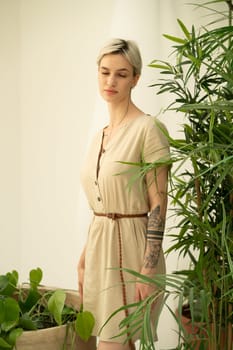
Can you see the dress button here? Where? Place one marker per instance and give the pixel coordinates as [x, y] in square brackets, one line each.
[99, 199]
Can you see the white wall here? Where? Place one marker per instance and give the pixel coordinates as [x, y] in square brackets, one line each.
[58, 50]
[49, 110]
[9, 136]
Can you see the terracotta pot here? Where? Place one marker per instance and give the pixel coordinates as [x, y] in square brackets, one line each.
[55, 337]
[196, 334]
[192, 333]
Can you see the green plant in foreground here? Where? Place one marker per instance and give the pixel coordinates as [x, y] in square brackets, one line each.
[24, 308]
[199, 81]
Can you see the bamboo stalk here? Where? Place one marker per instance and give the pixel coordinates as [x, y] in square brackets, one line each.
[198, 191]
[230, 5]
[229, 330]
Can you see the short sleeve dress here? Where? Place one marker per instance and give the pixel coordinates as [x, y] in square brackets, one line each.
[113, 187]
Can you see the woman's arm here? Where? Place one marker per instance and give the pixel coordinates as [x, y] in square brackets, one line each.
[157, 193]
[81, 268]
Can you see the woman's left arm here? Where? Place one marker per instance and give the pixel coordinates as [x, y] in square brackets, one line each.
[157, 183]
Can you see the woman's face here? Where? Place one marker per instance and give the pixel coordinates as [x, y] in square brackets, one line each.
[116, 78]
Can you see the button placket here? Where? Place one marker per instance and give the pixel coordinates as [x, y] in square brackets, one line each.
[96, 182]
[97, 191]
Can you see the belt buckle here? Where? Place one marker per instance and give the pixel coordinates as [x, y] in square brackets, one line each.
[112, 216]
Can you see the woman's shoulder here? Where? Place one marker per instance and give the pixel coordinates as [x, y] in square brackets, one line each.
[148, 121]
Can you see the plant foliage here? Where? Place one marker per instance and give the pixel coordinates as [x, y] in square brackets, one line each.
[24, 308]
[200, 85]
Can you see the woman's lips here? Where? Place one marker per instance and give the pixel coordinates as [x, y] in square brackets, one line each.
[110, 92]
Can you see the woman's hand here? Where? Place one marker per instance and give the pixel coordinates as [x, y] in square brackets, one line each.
[80, 282]
[143, 289]
[81, 268]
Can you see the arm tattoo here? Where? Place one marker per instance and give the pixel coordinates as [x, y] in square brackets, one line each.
[151, 259]
[155, 231]
[156, 222]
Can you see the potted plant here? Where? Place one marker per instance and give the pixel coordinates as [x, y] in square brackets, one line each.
[201, 82]
[201, 85]
[33, 316]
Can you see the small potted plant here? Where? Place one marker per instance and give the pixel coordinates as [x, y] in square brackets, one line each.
[33, 316]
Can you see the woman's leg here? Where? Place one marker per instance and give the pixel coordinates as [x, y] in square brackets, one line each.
[104, 345]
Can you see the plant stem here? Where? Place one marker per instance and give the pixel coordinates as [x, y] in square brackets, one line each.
[229, 329]
[231, 203]
[230, 5]
[198, 191]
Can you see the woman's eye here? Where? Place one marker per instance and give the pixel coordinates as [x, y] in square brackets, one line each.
[118, 75]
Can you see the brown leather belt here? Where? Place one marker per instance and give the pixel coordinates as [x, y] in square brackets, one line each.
[115, 216]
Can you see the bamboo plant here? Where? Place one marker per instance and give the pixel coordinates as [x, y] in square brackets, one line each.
[200, 83]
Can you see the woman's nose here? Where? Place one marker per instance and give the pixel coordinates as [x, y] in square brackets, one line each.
[111, 80]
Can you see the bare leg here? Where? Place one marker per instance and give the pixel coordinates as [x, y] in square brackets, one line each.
[103, 345]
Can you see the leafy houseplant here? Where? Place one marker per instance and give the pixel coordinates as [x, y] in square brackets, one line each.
[201, 82]
[201, 85]
[33, 308]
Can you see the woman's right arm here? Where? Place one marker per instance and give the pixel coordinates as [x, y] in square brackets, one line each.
[81, 268]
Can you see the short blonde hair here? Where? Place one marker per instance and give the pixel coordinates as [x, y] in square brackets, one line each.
[127, 48]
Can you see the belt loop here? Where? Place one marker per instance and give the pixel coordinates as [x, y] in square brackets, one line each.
[114, 216]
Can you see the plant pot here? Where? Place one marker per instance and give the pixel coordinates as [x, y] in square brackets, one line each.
[192, 333]
[196, 335]
[55, 337]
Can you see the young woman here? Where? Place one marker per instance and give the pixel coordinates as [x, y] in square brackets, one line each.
[128, 216]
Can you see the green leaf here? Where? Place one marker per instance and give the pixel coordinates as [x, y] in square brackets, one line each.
[3, 284]
[26, 322]
[84, 324]
[184, 29]
[160, 65]
[56, 304]
[8, 283]
[4, 344]
[35, 277]
[31, 300]
[9, 310]
[175, 39]
[14, 335]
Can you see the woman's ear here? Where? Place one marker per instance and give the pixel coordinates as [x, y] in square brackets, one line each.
[135, 80]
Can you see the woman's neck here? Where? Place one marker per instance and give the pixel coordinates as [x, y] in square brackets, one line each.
[120, 113]
[117, 114]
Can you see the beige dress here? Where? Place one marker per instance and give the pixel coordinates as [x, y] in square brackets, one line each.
[113, 187]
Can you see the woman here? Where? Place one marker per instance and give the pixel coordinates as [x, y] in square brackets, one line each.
[121, 233]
